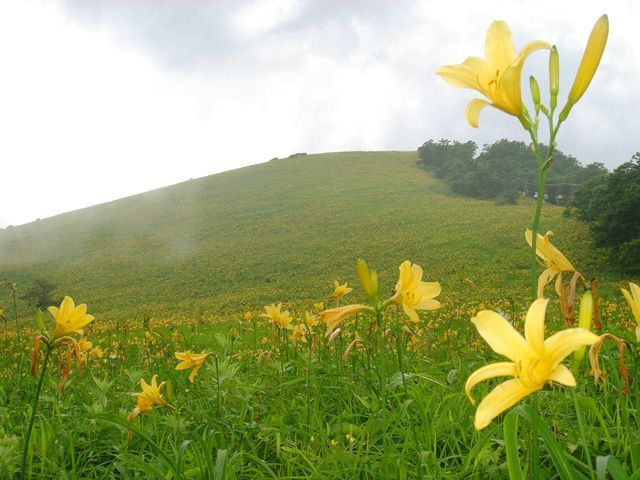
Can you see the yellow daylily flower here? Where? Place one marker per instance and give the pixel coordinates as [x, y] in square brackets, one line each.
[70, 318]
[247, 316]
[143, 405]
[590, 59]
[333, 316]
[310, 320]
[340, 291]
[534, 360]
[414, 294]
[189, 359]
[299, 333]
[633, 298]
[497, 77]
[556, 262]
[282, 319]
[152, 392]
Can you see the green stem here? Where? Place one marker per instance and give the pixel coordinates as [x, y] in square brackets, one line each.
[34, 407]
[535, 454]
[534, 231]
[400, 348]
[585, 444]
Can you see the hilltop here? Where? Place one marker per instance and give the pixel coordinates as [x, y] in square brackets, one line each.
[282, 231]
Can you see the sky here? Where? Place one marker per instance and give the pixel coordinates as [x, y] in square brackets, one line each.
[103, 99]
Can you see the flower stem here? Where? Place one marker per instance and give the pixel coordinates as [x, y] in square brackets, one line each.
[534, 231]
[36, 397]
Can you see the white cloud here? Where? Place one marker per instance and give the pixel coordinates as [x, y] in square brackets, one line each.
[104, 99]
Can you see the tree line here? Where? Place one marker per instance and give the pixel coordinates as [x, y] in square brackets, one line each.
[503, 171]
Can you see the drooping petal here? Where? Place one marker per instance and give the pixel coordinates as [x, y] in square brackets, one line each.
[428, 304]
[501, 369]
[563, 376]
[500, 334]
[534, 325]
[545, 277]
[499, 399]
[472, 113]
[411, 313]
[559, 345]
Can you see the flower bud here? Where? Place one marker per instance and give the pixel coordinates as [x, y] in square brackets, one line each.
[535, 92]
[590, 59]
[584, 321]
[554, 76]
[368, 279]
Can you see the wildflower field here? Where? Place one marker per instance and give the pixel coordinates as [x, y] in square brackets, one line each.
[325, 316]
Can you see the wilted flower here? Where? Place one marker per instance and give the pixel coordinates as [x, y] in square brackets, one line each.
[555, 261]
[334, 316]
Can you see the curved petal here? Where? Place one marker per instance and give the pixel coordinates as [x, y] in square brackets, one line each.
[534, 325]
[464, 75]
[635, 305]
[428, 289]
[499, 399]
[531, 47]
[498, 47]
[500, 369]
[544, 278]
[500, 335]
[563, 376]
[413, 315]
[559, 345]
[428, 304]
[472, 113]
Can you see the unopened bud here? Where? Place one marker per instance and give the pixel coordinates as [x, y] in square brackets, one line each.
[535, 92]
[554, 76]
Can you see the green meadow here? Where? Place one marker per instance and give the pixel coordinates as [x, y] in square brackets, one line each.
[176, 269]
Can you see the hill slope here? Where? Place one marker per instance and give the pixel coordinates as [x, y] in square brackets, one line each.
[280, 231]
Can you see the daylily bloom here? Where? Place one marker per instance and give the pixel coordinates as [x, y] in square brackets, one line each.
[633, 298]
[340, 291]
[534, 361]
[497, 77]
[143, 405]
[310, 320]
[189, 359]
[556, 262]
[282, 319]
[333, 316]
[70, 318]
[247, 316]
[152, 392]
[414, 294]
[299, 333]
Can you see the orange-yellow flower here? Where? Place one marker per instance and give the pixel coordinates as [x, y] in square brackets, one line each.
[189, 359]
[497, 77]
[340, 291]
[414, 294]
[534, 361]
[152, 392]
[633, 298]
[556, 262]
[143, 405]
[333, 316]
[70, 319]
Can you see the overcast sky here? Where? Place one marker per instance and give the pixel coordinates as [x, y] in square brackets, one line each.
[102, 99]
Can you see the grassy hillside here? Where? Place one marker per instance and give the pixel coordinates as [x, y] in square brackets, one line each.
[281, 231]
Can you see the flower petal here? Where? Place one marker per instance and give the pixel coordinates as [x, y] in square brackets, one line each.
[563, 376]
[499, 399]
[413, 315]
[534, 325]
[544, 278]
[472, 113]
[498, 47]
[500, 369]
[500, 334]
[464, 75]
[559, 345]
